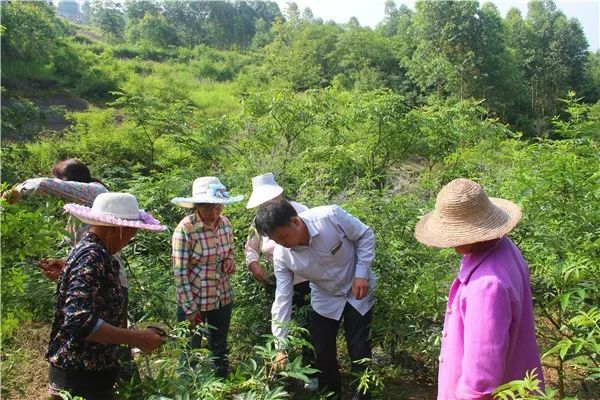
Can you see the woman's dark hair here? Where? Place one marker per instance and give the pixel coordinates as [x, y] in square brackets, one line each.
[73, 170]
[273, 215]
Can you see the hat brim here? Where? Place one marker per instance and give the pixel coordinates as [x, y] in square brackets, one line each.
[188, 202]
[90, 217]
[266, 193]
[432, 230]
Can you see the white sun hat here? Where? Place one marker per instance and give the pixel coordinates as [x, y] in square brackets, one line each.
[464, 214]
[115, 209]
[264, 188]
[207, 189]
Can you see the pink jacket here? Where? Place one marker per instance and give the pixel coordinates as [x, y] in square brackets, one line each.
[488, 337]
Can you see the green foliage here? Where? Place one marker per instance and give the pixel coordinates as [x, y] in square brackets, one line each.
[582, 120]
[374, 120]
[30, 234]
[108, 16]
[152, 30]
[142, 52]
[360, 52]
[30, 31]
[293, 56]
[525, 389]
[138, 9]
[551, 52]
[591, 91]
[178, 372]
[152, 120]
[21, 118]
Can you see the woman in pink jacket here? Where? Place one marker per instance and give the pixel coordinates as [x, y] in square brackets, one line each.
[489, 336]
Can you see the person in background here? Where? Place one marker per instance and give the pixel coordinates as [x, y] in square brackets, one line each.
[90, 318]
[264, 190]
[72, 182]
[489, 335]
[202, 262]
[334, 250]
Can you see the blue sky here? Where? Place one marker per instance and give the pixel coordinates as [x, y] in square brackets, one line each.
[370, 12]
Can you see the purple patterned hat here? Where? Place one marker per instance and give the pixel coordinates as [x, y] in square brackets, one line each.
[115, 209]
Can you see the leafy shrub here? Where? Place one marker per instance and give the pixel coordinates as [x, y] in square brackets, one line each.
[31, 233]
[21, 118]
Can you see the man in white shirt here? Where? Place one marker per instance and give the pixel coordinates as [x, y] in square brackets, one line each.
[334, 250]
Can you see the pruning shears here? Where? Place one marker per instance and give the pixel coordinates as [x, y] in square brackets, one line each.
[161, 332]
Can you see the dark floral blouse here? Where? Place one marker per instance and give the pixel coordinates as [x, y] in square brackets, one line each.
[88, 290]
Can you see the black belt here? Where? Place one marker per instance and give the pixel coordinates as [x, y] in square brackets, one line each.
[75, 379]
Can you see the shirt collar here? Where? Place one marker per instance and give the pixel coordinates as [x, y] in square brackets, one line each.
[197, 221]
[91, 237]
[312, 232]
[470, 262]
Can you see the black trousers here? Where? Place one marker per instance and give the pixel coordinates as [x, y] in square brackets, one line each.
[217, 338]
[324, 332]
[96, 385]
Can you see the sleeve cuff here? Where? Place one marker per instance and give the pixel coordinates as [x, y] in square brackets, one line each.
[250, 260]
[88, 328]
[362, 271]
[96, 327]
[188, 308]
[280, 333]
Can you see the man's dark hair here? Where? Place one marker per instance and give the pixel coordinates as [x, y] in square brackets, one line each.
[273, 215]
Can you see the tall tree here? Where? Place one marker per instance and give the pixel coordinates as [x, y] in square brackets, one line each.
[108, 16]
[449, 38]
[389, 25]
[30, 31]
[551, 52]
[353, 23]
[137, 9]
[292, 14]
[263, 35]
[69, 9]
[367, 59]
[154, 30]
[501, 85]
[591, 93]
[307, 15]
[86, 11]
[221, 24]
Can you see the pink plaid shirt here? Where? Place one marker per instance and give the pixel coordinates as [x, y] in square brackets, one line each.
[198, 254]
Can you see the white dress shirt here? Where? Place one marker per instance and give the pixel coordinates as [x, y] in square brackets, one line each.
[257, 244]
[340, 249]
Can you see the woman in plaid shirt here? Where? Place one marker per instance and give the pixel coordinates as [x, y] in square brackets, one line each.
[202, 262]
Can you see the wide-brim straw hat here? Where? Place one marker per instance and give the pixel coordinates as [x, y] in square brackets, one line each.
[207, 189]
[264, 189]
[464, 214]
[115, 209]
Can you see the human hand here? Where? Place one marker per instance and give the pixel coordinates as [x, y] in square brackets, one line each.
[11, 196]
[258, 273]
[360, 288]
[52, 268]
[279, 362]
[194, 319]
[228, 266]
[148, 340]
